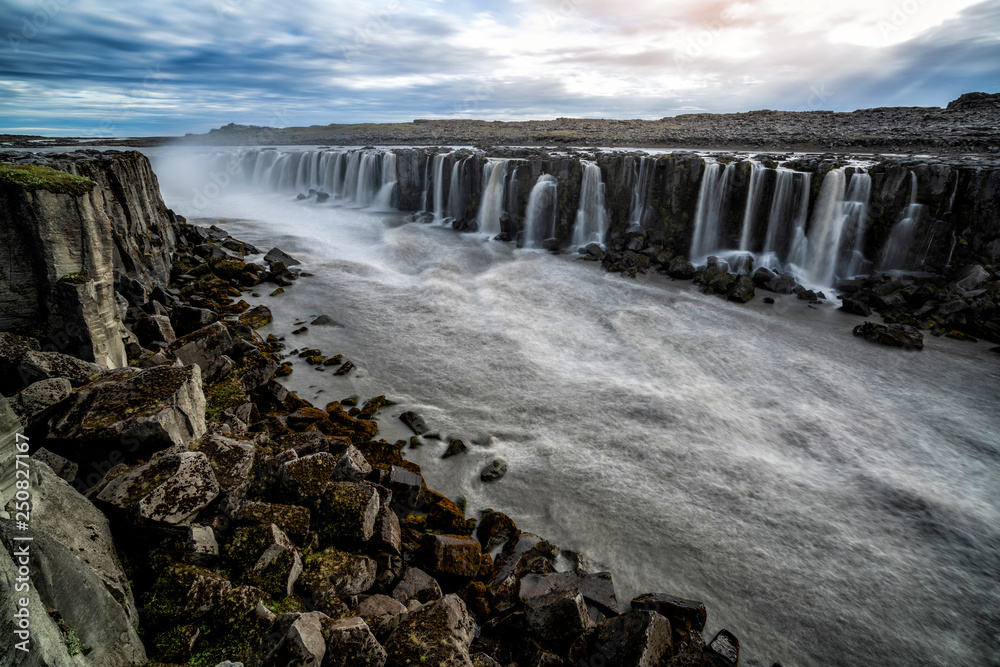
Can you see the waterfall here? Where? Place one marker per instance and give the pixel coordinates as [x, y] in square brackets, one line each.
[817, 257]
[640, 190]
[855, 223]
[540, 216]
[753, 198]
[427, 184]
[591, 217]
[439, 208]
[954, 242]
[455, 199]
[387, 192]
[707, 236]
[491, 207]
[897, 247]
[789, 210]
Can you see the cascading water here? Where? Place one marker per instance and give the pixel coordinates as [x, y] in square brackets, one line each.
[789, 211]
[708, 216]
[754, 193]
[897, 247]
[540, 216]
[491, 208]
[591, 224]
[817, 254]
[439, 203]
[387, 192]
[640, 190]
[455, 199]
[852, 256]
[427, 185]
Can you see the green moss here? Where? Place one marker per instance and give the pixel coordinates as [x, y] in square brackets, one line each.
[76, 278]
[73, 644]
[33, 177]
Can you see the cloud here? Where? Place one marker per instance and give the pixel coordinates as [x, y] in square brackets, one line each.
[109, 67]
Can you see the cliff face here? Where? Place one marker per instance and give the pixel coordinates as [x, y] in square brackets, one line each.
[65, 255]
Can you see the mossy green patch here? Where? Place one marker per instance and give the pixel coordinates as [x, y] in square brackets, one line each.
[33, 177]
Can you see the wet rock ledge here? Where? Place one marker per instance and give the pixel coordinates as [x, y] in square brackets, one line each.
[188, 509]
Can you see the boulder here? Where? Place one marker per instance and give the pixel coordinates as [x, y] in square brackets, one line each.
[351, 643]
[302, 643]
[726, 648]
[682, 614]
[415, 422]
[493, 471]
[171, 489]
[351, 466]
[437, 633]
[32, 403]
[742, 290]
[335, 573]
[598, 589]
[204, 348]
[451, 555]
[151, 329]
[184, 593]
[200, 546]
[291, 519]
[680, 268]
[63, 468]
[892, 335]
[969, 278]
[231, 460]
[37, 366]
[309, 476]
[346, 514]
[855, 307]
[526, 553]
[416, 585]
[455, 447]
[264, 557]
[63, 514]
[187, 319]
[68, 605]
[382, 614]
[406, 487]
[144, 410]
[275, 255]
[557, 616]
[495, 529]
[639, 638]
[12, 350]
[762, 276]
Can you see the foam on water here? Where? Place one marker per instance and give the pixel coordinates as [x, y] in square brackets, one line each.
[833, 502]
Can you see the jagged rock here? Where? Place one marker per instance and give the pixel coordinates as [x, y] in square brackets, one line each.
[892, 335]
[726, 647]
[309, 476]
[77, 597]
[63, 468]
[526, 553]
[185, 593]
[742, 290]
[415, 422]
[188, 319]
[33, 402]
[346, 514]
[201, 546]
[266, 558]
[337, 573]
[780, 285]
[451, 555]
[231, 460]
[147, 410]
[969, 278]
[325, 320]
[352, 466]
[171, 489]
[639, 638]
[387, 537]
[681, 269]
[437, 633]
[302, 642]
[557, 616]
[686, 614]
[598, 589]
[38, 366]
[153, 328]
[495, 529]
[762, 276]
[350, 643]
[276, 255]
[855, 307]
[291, 519]
[12, 350]
[204, 348]
[455, 447]
[382, 614]
[406, 487]
[494, 471]
[256, 317]
[416, 585]
[62, 513]
[483, 660]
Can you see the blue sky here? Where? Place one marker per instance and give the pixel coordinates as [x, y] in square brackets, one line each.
[106, 67]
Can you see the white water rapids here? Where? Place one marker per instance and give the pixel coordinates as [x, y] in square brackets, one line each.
[833, 502]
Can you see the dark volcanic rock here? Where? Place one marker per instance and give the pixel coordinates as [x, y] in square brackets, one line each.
[892, 335]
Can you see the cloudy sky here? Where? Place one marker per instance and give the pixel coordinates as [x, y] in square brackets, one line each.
[108, 67]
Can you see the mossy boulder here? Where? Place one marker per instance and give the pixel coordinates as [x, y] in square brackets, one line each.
[450, 555]
[495, 529]
[231, 459]
[293, 520]
[256, 317]
[351, 643]
[308, 476]
[184, 594]
[32, 177]
[332, 572]
[346, 514]
[438, 633]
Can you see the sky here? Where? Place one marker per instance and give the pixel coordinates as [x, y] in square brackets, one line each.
[112, 68]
